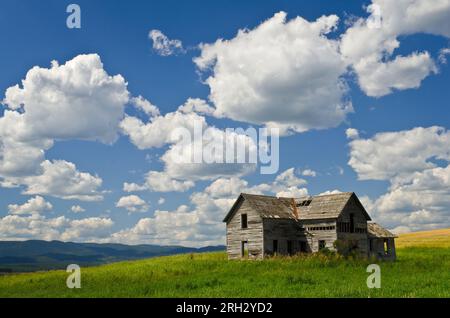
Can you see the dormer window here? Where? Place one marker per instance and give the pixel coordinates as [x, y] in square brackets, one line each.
[244, 221]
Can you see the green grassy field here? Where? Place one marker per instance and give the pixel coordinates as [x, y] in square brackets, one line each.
[422, 270]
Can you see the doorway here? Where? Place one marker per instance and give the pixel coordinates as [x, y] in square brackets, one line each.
[275, 247]
[289, 247]
[303, 248]
[244, 249]
[385, 247]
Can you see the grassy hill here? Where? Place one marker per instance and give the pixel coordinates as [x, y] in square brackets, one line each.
[422, 270]
[435, 238]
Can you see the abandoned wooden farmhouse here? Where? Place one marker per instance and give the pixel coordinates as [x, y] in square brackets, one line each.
[258, 226]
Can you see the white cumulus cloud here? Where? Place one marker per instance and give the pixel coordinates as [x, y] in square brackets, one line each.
[132, 203]
[34, 205]
[75, 100]
[309, 173]
[369, 44]
[416, 163]
[145, 105]
[162, 182]
[188, 136]
[77, 209]
[352, 133]
[36, 226]
[390, 154]
[284, 73]
[61, 179]
[164, 46]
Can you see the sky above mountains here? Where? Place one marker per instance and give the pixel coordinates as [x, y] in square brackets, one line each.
[358, 92]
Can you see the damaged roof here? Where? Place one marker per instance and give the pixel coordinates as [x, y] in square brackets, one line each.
[316, 207]
[376, 230]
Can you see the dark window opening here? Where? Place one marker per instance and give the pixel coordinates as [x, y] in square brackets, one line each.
[371, 245]
[244, 249]
[244, 221]
[352, 223]
[304, 203]
[322, 245]
[303, 246]
[347, 227]
[321, 228]
[289, 247]
[275, 246]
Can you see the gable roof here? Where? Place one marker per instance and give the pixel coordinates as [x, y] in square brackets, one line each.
[376, 230]
[321, 206]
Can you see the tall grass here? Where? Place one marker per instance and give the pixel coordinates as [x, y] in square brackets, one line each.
[418, 272]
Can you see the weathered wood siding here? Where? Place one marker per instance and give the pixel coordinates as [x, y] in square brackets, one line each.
[327, 235]
[360, 221]
[253, 234]
[283, 230]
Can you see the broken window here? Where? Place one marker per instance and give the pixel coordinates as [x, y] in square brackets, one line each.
[322, 244]
[304, 203]
[275, 246]
[244, 221]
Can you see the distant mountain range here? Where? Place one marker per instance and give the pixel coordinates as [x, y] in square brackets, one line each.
[36, 255]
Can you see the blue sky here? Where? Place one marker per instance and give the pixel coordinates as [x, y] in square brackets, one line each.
[35, 33]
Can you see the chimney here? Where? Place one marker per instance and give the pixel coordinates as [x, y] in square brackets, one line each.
[294, 208]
